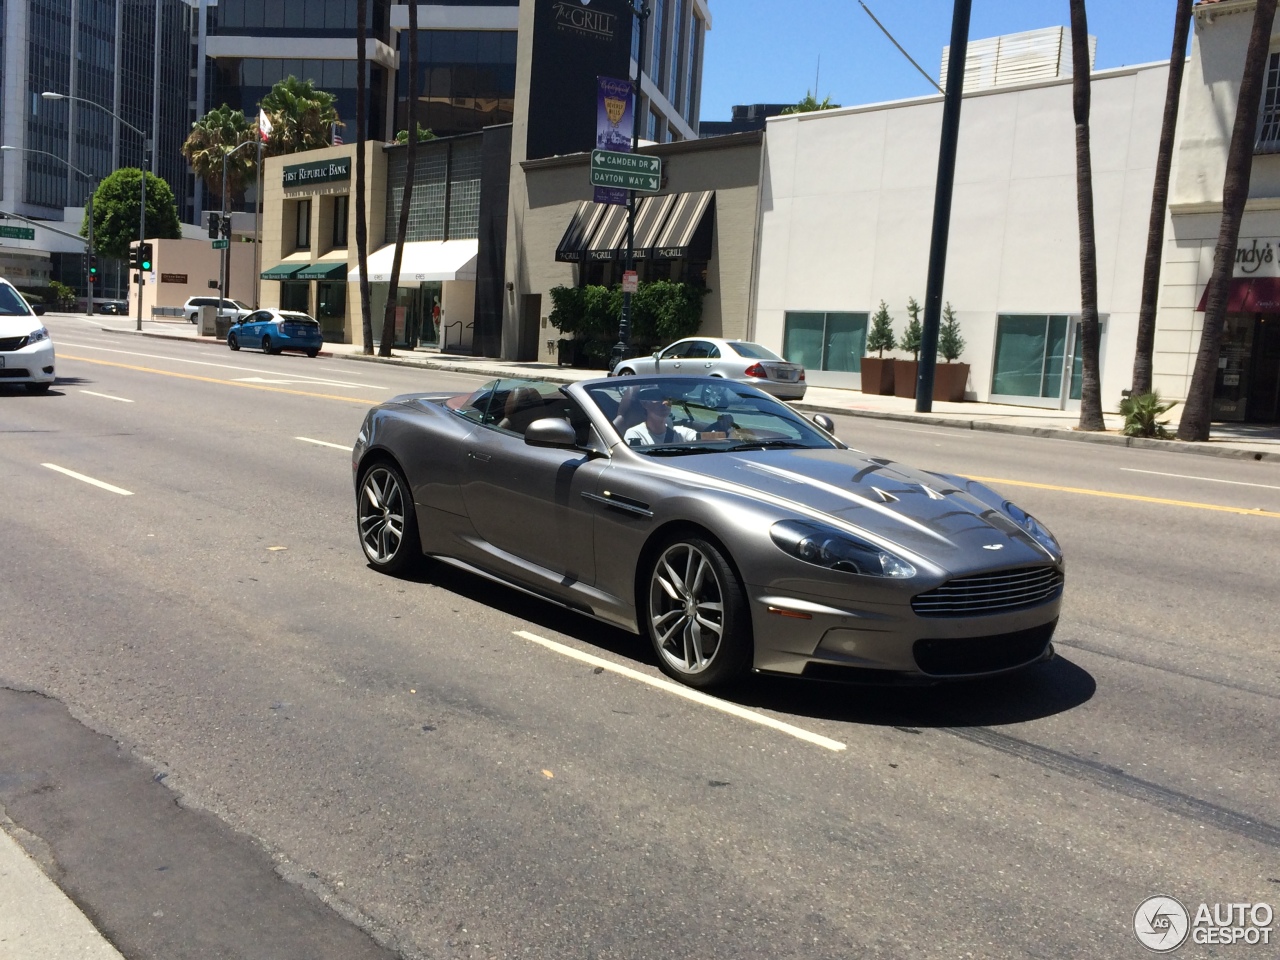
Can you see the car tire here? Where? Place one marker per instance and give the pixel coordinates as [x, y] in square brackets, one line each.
[38, 387]
[690, 574]
[232, 342]
[313, 353]
[266, 345]
[192, 318]
[386, 520]
[625, 372]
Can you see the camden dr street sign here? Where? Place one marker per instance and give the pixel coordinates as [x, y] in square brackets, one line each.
[626, 171]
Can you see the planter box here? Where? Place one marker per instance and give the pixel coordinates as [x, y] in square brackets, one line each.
[949, 381]
[877, 376]
[904, 378]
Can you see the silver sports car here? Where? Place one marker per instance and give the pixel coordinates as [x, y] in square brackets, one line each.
[712, 518]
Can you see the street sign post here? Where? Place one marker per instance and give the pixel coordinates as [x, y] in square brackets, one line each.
[221, 244]
[626, 171]
[630, 281]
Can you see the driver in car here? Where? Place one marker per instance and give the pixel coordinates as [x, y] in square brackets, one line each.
[656, 427]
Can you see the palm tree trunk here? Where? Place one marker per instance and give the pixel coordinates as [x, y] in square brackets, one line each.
[1235, 190]
[1142, 356]
[411, 159]
[1090, 387]
[362, 226]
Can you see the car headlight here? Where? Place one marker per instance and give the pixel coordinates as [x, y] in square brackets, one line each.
[35, 336]
[1032, 526]
[828, 547]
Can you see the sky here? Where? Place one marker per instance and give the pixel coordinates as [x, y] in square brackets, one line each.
[770, 51]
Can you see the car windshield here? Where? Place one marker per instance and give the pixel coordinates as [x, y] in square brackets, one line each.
[241, 304]
[664, 416]
[11, 303]
[753, 351]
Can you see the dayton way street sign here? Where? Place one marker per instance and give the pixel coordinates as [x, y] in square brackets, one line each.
[221, 244]
[626, 171]
[18, 233]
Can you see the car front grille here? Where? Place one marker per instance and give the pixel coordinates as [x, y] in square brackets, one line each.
[969, 655]
[14, 373]
[9, 344]
[991, 593]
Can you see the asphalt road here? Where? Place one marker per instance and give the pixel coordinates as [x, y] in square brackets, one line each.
[427, 767]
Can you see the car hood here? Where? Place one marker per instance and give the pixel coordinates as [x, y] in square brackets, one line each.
[950, 520]
[19, 326]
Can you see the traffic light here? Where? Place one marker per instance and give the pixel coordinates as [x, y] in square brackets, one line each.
[93, 267]
[133, 258]
[144, 257]
[213, 224]
[226, 227]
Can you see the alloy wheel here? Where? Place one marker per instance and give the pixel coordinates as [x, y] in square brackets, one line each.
[382, 516]
[686, 609]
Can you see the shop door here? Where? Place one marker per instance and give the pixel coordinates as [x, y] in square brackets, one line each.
[1073, 368]
[1264, 371]
[1231, 400]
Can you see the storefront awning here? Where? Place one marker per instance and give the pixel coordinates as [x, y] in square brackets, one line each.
[581, 228]
[1249, 295]
[333, 270]
[610, 234]
[687, 233]
[651, 216]
[424, 261]
[282, 271]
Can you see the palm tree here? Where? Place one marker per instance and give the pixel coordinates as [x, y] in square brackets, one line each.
[302, 117]
[1090, 386]
[411, 158]
[362, 227]
[1159, 204]
[1235, 190]
[217, 132]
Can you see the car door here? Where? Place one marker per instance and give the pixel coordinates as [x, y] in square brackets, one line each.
[249, 331]
[527, 502]
[670, 359]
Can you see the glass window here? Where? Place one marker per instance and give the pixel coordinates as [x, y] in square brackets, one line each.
[752, 351]
[825, 341]
[673, 70]
[1268, 137]
[302, 233]
[341, 214]
[1030, 353]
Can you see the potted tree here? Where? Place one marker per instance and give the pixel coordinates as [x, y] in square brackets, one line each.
[950, 378]
[904, 371]
[877, 373]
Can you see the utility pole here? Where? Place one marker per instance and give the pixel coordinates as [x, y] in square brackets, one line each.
[620, 348]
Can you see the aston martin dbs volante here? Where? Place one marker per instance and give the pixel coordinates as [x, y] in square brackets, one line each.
[733, 532]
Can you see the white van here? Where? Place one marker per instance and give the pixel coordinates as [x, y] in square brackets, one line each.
[232, 310]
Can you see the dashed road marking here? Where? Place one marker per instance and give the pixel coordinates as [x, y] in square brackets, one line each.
[90, 480]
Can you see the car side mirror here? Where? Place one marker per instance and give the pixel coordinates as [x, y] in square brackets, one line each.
[551, 432]
[825, 422]
[38, 309]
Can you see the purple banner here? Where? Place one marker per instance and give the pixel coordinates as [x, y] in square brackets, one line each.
[614, 125]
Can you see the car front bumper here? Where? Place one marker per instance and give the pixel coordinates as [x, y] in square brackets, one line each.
[34, 363]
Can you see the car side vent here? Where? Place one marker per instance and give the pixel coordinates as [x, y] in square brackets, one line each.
[1000, 592]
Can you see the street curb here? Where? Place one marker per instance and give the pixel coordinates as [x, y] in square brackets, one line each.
[1050, 433]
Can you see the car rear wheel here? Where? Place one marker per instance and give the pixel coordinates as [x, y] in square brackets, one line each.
[266, 345]
[232, 342]
[313, 353]
[696, 614]
[386, 518]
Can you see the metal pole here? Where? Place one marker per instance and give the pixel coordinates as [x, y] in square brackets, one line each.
[222, 254]
[89, 267]
[942, 205]
[624, 324]
[142, 225]
[257, 231]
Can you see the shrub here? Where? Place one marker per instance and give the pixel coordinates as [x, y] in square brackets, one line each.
[881, 337]
[63, 295]
[1142, 415]
[661, 311]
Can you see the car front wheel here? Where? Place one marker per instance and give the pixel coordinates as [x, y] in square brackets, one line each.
[387, 522]
[232, 342]
[696, 614]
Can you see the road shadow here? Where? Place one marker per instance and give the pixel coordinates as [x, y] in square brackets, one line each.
[1033, 693]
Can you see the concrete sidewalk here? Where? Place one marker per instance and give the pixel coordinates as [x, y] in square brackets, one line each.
[1236, 441]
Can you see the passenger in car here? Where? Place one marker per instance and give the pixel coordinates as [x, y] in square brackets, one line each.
[657, 428]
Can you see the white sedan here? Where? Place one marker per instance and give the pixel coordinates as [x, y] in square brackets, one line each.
[26, 352]
[738, 360]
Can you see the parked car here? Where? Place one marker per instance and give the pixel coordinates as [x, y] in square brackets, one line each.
[229, 309]
[116, 308]
[276, 330]
[737, 360]
[26, 350]
[745, 538]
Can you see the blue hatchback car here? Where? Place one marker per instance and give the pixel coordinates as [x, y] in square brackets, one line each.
[276, 330]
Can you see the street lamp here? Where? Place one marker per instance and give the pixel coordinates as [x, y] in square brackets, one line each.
[73, 167]
[223, 268]
[623, 346]
[146, 149]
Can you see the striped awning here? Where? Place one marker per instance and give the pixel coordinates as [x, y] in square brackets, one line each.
[585, 220]
[610, 235]
[651, 216]
[687, 233]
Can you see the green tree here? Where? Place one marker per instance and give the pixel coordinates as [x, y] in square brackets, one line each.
[950, 343]
[810, 103]
[116, 209]
[881, 337]
[913, 336]
[212, 137]
[1194, 424]
[423, 135]
[302, 117]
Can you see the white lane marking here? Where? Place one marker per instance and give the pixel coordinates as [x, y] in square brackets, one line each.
[106, 396]
[81, 476]
[324, 443]
[300, 378]
[689, 694]
[1183, 476]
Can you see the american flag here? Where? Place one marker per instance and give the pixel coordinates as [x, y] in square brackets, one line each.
[337, 137]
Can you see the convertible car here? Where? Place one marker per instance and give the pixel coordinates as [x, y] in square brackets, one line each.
[733, 532]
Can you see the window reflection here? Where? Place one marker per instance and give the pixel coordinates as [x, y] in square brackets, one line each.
[466, 80]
